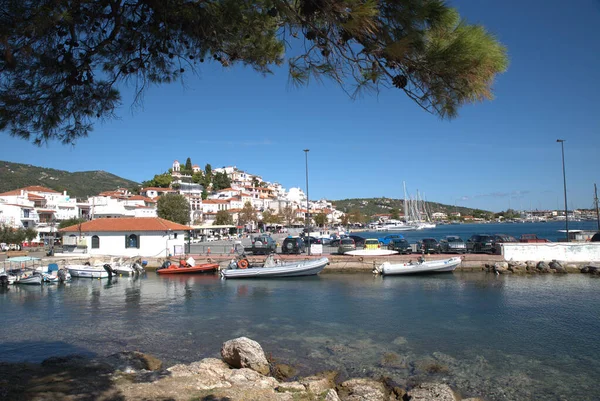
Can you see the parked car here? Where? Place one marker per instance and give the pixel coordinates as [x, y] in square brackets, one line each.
[388, 238]
[263, 245]
[531, 239]
[293, 245]
[453, 244]
[428, 245]
[372, 243]
[313, 240]
[346, 245]
[358, 240]
[400, 245]
[480, 243]
[500, 239]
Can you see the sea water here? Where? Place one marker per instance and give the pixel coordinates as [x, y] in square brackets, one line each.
[500, 337]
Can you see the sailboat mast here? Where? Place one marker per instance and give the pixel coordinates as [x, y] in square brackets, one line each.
[596, 202]
[405, 205]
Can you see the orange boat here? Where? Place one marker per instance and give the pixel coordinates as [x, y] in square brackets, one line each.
[184, 267]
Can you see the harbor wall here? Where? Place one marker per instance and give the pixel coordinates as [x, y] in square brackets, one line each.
[562, 251]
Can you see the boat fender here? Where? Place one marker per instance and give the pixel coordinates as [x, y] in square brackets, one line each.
[360, 258]
[242, 264]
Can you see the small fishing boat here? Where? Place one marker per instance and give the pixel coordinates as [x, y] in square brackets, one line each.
[271, 268]
[187, 267]
[32, 278]
[419, 267]
[87, 271]
[120, 268]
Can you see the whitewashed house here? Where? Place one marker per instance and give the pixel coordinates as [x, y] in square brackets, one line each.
[127, 236]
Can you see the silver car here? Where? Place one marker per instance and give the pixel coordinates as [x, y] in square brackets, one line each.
[453, 244]
[346, 245]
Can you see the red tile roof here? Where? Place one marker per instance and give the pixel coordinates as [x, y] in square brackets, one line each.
[127, 224]
[34, 197]
[214, 201]
[33, 188]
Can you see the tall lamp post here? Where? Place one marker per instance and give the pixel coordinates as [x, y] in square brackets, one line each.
[306, 220]
[562, 147]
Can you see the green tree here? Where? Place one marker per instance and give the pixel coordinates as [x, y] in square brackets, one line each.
[198, 177]
[247, 214]
[70, 222]
[188, 167]
[204, 194]
[288, 214]
[356, 216]
[220, 181]
[395, 214]
[345, 219]
[78, 53]
[160, 180]
[223, 218]
[208, 175]
[320, 219]
[173, 207]
[270, 218]
[12, 235]
[255, 182]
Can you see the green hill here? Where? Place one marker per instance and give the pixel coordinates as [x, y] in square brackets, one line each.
[372, 206]
[80, 184]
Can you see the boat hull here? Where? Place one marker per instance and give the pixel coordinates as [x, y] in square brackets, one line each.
[84, 271]
[371, 252]
[203, 268]
[294, 269]
[434, 266]
[30, 280]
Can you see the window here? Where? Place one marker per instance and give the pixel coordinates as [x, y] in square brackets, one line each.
[132, 241]
[95, 242]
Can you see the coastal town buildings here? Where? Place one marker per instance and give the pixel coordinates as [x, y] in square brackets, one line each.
[127, 236]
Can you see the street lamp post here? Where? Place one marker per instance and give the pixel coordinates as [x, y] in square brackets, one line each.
[562, 147]
[306, 220]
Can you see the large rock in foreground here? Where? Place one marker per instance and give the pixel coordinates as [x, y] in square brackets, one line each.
[243, 352]
[432, 392]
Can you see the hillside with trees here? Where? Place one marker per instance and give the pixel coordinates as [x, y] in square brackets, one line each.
[369, 207]
[79, 184]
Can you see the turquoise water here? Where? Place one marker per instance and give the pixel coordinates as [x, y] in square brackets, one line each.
[502, 337]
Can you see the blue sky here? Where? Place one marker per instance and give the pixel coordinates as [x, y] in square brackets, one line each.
[495, 155]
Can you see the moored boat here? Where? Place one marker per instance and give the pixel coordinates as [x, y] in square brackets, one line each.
[187, 267]
[87, 271]
[32, 278]
[419, 267]
[272, 269]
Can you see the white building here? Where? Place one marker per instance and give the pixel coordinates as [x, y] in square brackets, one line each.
[129, 237]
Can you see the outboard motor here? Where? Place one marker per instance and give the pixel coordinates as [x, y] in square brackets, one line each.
[165, 265]
[4, 280]
[109, 270]
[62, 275]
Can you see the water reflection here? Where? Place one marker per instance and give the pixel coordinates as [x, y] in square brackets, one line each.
[336, 321]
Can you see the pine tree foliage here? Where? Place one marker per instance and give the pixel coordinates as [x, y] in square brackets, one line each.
[173, 207]
[62, 61]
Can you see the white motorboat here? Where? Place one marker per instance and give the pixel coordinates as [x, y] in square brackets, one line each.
[272, 269]
[371, 252]
[34, 278]
[434, 266]
[87, 271]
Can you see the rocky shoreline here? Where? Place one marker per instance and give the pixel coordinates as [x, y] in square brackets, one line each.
[243, 373]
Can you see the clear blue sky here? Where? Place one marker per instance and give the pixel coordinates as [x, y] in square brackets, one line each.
[494, 155]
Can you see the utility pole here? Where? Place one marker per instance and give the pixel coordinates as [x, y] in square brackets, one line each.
[562, 146]
[307, 219]
[596, 202]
